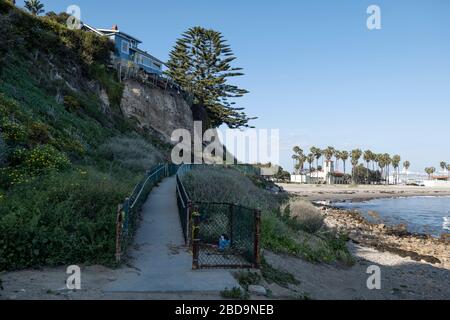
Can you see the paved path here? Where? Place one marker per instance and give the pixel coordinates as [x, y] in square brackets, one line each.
[160, 260]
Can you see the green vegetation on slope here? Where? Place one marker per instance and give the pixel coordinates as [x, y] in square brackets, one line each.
[66, 158]
[287, 226]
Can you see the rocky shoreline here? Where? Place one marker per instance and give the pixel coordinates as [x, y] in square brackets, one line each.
[384, 238]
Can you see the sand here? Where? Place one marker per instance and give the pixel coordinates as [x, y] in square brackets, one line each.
[360, 192]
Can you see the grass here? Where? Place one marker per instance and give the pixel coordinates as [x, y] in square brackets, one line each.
[235, 294]
[272, 275]
[248, 278]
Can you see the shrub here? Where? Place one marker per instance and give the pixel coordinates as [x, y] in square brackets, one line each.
[4, 152]
[13, 132]
[61, 218]
[71, 103]
[132, 153]
[303, 215]
[42, 158]
[39, 133]
[221, 184]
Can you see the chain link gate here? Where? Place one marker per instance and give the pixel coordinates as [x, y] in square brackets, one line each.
[225, 236]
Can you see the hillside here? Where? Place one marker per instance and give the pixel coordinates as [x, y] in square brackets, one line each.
[73, 141]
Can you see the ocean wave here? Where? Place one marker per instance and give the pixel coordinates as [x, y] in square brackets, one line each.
[446, 223]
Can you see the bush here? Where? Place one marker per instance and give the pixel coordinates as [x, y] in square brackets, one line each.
[302, 215]
[4, 152]
[62, 218]
[13, 132]
[39, 133]
[27, 164]
[132, 153]
[221, 184]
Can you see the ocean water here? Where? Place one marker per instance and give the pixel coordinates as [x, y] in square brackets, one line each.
[429, 215]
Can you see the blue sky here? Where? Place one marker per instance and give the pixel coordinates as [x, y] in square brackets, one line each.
[313, 68]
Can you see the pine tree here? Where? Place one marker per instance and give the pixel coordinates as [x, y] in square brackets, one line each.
[200, 63]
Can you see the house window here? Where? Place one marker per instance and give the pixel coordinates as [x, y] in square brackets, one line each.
[125, 47]
[146, 62]
[157, 65]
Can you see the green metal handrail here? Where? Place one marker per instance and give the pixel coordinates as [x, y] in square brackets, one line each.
[129, 210]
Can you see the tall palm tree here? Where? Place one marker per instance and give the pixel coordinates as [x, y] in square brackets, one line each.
[396, 164]
[337, 155]
[317, 154]
[387, 163]
[367, 158]
[443, 165]
[298, 153]
[310, 158]
[406, 165]
[294, 163]
[430, 171]
[329, 153]
[344, 156]
[355, 155]
[35, 7]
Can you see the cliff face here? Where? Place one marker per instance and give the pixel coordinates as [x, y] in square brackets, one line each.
[156, 109]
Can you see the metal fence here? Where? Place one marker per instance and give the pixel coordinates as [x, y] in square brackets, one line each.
[128, 212]
[221, 235]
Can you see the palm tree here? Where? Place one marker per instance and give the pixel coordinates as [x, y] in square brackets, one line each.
[329, 153]
[355, 155]
[298, 153]
[448, 171]
[406, 165]
[443, 165]
[367, 158]
[344, 156]
[310, 159]
[387, 163]
[380, 163]
[430, 171]
[35, 7]
[337, 155]
[317, 154]
[396, 163]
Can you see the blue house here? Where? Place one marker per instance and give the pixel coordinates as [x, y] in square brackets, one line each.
[127, 49]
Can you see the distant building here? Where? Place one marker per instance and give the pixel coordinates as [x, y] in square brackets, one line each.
[327, 175]
[127, 50]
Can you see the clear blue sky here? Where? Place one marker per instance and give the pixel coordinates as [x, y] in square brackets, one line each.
[314, 70]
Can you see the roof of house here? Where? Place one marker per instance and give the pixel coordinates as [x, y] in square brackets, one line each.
[109, 32]
[147, 54]
[92, 29]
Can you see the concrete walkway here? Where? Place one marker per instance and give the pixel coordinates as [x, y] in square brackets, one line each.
[160, 261]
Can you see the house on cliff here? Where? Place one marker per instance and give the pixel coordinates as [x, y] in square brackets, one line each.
[128, 51]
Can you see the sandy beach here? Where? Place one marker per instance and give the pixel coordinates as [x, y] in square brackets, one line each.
[360, 192]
